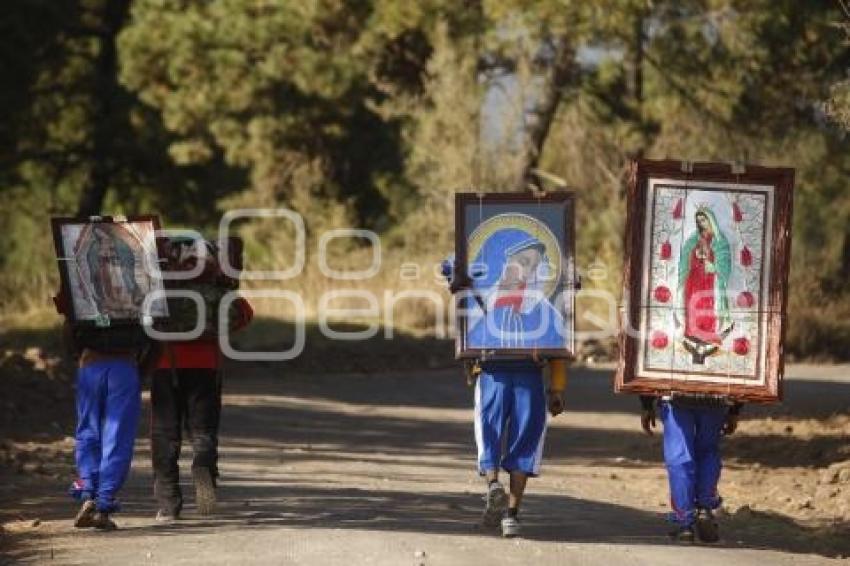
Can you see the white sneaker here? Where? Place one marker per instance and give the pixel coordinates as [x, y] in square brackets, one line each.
[496, 503]
[511, 527]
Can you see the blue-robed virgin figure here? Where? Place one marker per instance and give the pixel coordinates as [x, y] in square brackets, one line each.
[515, 289]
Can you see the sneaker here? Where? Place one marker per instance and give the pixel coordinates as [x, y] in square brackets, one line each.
[496, 503]
[511, 527]
[102, 522]
[204, 490]
[85, 516]
[683, 534]
[163, 516]
[706, 526]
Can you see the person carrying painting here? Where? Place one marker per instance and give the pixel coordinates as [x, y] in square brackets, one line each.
[693, 427]
[511, 399]
[186, 384]
[110, 361]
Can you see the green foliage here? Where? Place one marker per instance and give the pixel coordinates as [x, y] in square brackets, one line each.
[374, 112]
[63, 122]
[271, 86]
[443, 137]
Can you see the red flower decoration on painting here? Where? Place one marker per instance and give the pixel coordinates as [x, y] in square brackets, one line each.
[741, 346]
[659, 340]
[677, 210]
[737, 215]
[662, 294]
[745, 300]
[746, 257]
[666, 250]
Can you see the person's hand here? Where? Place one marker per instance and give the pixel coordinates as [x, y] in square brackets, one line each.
[709, 267]
[556, 403]
[647, 420]
[459, 282]
[731, 424]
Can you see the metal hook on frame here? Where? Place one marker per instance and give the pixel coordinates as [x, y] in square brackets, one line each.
[536, 190]
[738, 167]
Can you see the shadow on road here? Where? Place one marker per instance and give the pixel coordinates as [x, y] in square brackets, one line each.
[274, 418]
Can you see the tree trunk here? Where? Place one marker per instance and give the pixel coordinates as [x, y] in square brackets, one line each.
[634, 61]
[634, 78]
[106, 90]
[560, 74]
[845, 255]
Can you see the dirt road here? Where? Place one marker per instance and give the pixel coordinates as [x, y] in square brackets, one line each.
[379, 469]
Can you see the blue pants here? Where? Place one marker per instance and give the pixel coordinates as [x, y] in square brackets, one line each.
[692, 455]
[108, 404]
[510, 412]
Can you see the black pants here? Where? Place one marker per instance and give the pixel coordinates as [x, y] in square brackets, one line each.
[190, 399]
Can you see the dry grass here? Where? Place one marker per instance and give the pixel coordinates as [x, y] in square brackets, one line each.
[406, 296]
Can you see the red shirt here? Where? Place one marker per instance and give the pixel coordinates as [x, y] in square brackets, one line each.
[197, 354]
[202, 353]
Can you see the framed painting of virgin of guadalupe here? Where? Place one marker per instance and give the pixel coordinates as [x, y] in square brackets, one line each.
[108, 266]
[515, 270]
[707, 253]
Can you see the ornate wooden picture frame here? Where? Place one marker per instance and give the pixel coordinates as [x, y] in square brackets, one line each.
[707, 254]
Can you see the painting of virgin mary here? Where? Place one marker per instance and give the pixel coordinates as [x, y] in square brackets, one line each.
[110, 267]
[707, 258]
[705, 264]
[516, 270]
[111, 262]
[515, 311]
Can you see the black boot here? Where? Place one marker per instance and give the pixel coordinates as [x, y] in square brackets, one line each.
[102, 522]
[706, 526]
[169, 498]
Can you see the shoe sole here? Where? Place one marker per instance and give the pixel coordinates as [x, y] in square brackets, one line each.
[204, 491]
[497, 502]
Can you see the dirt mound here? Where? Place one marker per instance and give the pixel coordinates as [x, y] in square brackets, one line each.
[37, 416]
[798, 468]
